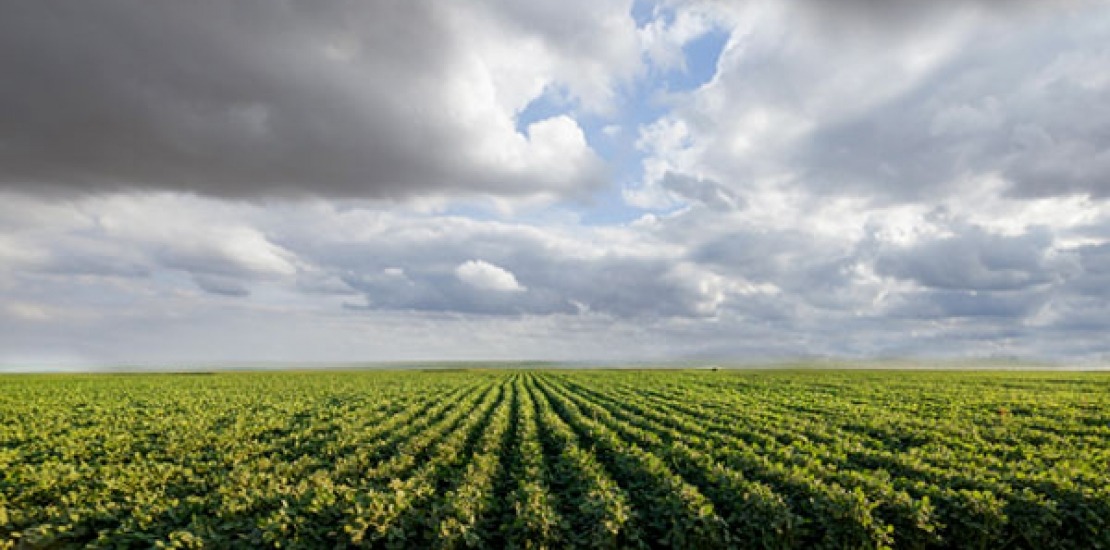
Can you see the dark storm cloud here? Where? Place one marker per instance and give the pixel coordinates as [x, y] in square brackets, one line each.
[221, 285]
[1070, 156]
[848, 17]
[239, 99]
[791, 259]
[975, 260]
[1094, 279]
[970, 272]
[948, 304]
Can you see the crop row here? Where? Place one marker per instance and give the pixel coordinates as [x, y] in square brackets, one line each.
[552, 459]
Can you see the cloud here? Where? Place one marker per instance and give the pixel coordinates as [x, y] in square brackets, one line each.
[1020, 108]
[394, 261]
[868, 179]
[139, 236]
[697, 282]
[896, 102]
[229, 250]
[486, 276]
[428, 263]
[947, 304]
[887, 17]
[705, 191]
[336, 99]
[217, 284]
[976, 260]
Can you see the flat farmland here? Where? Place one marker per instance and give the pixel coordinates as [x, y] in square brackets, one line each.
[556, 458]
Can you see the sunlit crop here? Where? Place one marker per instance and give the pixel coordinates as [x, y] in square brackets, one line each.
[551, 459]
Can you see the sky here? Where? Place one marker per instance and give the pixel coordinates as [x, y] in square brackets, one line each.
[588, 180]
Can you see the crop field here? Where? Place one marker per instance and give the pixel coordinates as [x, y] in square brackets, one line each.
[553, 459]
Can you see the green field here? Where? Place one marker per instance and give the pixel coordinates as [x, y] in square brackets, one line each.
[515, 458]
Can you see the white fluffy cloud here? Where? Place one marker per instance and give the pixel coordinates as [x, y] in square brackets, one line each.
[486, 276]
[867, 103]
[702, 281]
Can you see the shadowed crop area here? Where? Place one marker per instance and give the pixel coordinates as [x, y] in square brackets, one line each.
[553, 459]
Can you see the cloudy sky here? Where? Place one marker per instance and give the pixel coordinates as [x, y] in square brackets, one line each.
[335, 181]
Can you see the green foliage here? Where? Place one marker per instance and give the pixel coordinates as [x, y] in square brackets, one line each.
[555, 459]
